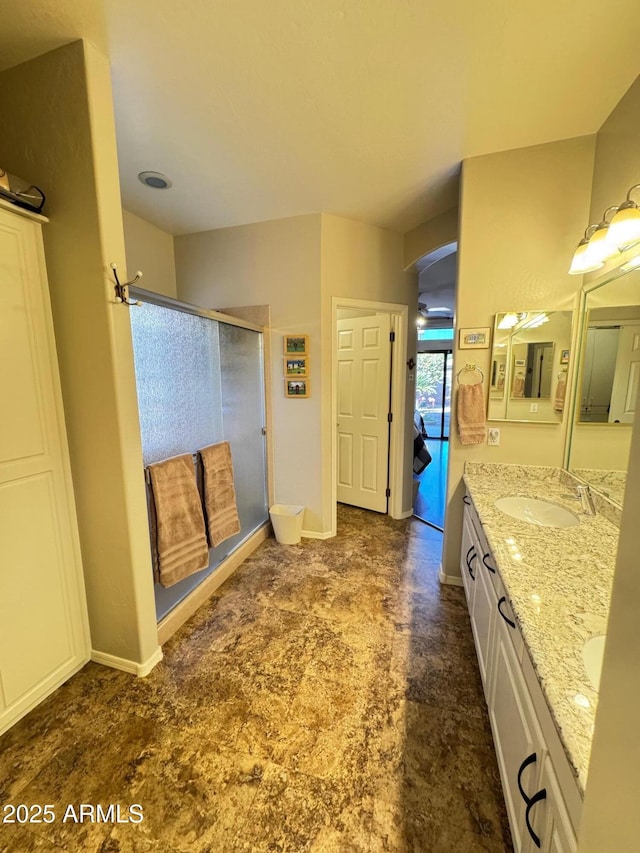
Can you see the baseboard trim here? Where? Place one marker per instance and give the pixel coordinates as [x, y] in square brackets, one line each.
[407, 514]
[314, 534]
[174, 620]
[139, 669]
[451, 580]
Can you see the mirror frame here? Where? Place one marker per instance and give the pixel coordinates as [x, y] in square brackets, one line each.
[567, 409]
[593, 282]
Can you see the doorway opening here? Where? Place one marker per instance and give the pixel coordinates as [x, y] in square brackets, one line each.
[434, 371]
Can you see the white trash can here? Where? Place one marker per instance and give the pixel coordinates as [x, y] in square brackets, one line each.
[287, 522]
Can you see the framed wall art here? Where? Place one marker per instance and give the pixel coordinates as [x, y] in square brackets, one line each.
[296, 387]
[296, 365]
[296, 344]
[474, 338]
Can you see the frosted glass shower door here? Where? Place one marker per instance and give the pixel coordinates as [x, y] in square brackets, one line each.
[200, 381]
[243, 417]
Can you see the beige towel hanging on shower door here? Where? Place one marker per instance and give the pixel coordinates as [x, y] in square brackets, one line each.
[219, 492]
[180, 531]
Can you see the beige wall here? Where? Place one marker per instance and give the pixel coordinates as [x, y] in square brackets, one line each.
[150, 249]
[617, 162]
[277, 263]
[58, 132]
[363, 262]
[519, 216]
[297, 265]
[431, 235]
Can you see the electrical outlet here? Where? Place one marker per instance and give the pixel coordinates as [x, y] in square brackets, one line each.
[493, 439]
[534, 407]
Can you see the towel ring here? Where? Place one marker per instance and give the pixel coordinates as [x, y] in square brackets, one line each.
[470, 368]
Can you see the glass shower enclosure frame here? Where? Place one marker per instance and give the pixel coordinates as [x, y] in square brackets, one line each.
[200, 379]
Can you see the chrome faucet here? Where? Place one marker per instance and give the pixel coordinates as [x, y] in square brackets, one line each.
[586, 500]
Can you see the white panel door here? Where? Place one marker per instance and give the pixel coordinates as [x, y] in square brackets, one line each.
[43, 621]
[364, 376]
[627, 374]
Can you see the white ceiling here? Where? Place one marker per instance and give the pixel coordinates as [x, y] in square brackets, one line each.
[362, 108]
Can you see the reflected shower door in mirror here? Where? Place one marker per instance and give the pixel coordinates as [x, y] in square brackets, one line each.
[529, 366]
[608, 383]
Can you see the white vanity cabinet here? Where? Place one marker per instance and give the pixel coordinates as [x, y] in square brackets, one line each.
[526, 747]
[44, 635]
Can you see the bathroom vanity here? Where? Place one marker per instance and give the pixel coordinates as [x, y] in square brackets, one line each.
[536, 595]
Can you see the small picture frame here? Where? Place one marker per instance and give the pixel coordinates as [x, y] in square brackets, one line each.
[564, 356]
[296, 388]
[296, 365]
[519, 362]
[474, 338]
[296, 344]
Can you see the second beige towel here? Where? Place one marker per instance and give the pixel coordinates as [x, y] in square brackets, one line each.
[472, 426]
[219, 492]
[180, 533]
[561, 390]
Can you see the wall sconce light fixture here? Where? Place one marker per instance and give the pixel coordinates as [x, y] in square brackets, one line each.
[624, 229]
[603, 241]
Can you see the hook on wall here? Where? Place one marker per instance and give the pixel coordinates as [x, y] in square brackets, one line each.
[122, 294]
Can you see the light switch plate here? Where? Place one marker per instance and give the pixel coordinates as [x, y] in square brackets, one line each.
[493, 438]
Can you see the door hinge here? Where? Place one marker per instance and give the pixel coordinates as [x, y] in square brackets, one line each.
[392, 336]
[390, 417]
[388, 493]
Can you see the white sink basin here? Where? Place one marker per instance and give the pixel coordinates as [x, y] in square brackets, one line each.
[542, 513]
[592, 653]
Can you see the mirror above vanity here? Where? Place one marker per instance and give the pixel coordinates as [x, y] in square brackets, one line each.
[607, 382]
[529, 366]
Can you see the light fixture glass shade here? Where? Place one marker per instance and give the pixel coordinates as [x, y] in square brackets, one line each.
[581, 262]
[624, 229]
[599, 249]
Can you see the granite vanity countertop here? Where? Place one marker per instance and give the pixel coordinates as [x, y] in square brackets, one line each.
[559, 583]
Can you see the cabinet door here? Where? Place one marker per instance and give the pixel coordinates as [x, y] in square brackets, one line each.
[468, 559]
[550, 818]
[518, 741]
[482, 623]
[43, 623]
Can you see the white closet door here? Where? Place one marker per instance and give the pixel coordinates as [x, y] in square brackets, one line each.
[364, 376]
[44, 634]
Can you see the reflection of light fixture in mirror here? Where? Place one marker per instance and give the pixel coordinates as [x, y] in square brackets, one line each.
[535, 321]
[631, 265]
[624, 229]
[508, 321]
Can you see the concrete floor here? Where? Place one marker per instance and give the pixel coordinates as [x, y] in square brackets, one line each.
[327, 698]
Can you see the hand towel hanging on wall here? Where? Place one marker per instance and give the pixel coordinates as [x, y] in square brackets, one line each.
[472, 426]
[180, 531]
[219, 492]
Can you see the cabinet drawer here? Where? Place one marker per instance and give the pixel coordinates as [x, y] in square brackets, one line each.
[505, 620]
